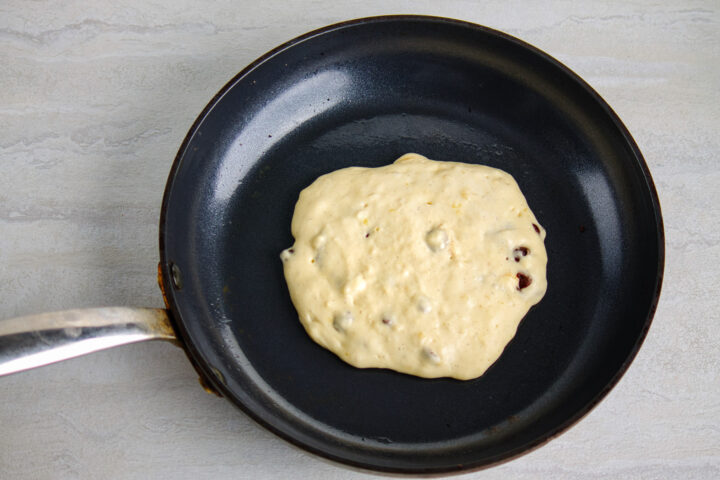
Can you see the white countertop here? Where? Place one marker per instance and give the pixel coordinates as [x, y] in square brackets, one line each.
[95, 99]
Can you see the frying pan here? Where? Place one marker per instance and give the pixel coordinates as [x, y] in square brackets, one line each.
[363, 93]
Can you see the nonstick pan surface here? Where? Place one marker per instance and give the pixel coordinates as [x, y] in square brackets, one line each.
[363, 93]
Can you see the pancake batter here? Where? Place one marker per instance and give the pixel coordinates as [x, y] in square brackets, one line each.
[421, 266]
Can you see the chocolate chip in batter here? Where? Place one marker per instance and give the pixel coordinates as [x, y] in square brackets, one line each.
[523, 280]
[424, 304]
[431, 356]
[537, 229]
[437, 239]
[342, 321]
[520, 252]
[286, 254]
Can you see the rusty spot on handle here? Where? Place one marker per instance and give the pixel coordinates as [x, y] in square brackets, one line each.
[160, 284]
[206, 385]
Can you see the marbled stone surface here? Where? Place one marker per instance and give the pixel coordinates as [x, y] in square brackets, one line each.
[95, 98]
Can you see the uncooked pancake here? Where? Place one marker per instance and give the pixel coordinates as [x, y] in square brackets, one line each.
[424, 267]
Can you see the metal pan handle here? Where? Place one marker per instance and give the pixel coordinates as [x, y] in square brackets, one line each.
[37, 340]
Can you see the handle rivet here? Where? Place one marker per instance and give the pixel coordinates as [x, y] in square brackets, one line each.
[176, 276]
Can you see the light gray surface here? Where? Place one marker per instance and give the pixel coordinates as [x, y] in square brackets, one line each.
[95, 98]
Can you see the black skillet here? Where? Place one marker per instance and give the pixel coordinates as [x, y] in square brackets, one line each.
[363, 93]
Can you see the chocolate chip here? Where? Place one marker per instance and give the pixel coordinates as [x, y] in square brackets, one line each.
[292, 250]
[342, 321]
[523, 280]
[386, 321]
[437, 239]
[537, 229]
[367, 235]
[520, 252]
[431, 356]
[424, 304]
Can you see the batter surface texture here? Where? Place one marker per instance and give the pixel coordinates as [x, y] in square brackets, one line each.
[421, 266]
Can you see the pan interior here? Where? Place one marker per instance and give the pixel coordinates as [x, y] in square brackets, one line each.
[364, 93]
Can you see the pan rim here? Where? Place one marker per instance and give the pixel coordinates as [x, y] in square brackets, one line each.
[205, 372]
